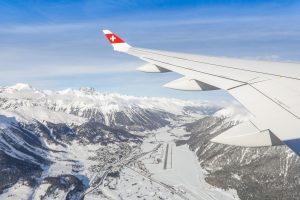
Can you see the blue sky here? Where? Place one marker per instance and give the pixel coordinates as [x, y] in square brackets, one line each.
[59, 44]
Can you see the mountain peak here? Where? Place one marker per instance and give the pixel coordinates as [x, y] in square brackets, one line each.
[87, 90]
[21, 86]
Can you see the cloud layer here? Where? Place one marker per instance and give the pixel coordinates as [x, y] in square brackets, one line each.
[52, 45]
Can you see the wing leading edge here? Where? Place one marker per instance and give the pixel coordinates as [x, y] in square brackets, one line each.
[268, 90]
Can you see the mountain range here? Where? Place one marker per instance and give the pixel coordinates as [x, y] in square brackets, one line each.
[79, 144]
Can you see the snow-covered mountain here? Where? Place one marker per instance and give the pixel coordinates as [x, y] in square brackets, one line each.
[83, 144]
[76, 106]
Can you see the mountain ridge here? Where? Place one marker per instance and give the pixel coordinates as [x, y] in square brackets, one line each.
[78, 105]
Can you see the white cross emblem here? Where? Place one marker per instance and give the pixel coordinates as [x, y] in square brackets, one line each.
[112, 38]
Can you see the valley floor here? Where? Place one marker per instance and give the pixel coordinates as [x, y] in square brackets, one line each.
[154, 169]
[162, 170]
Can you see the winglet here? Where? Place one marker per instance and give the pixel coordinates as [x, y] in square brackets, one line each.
[116, 42]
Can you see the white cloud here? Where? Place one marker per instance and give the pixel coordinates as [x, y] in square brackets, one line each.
[42, 28]
[62, 71]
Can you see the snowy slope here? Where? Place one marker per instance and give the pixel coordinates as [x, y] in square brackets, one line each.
[255, 173]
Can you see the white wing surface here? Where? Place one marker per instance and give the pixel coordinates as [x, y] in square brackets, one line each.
[270, 91]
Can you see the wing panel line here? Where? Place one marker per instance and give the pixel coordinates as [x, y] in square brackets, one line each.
[275, 102]
[196, 70]
[223, 66]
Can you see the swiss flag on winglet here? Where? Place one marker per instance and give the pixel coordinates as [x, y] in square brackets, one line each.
[117, 43]
[114, 38]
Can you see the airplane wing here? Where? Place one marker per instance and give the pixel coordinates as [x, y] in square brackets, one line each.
[268, 90]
